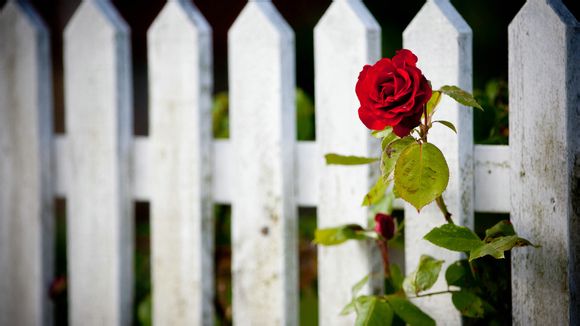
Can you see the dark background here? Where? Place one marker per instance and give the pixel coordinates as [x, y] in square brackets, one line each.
[487, 18]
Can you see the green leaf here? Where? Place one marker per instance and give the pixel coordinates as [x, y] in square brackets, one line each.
[372, 311]
[382, 133]
[409, 284]
[383, 205]
[427, 272]
[391, 153]
[447, 124]
[459, 274]
[398, 241]
[498, 246]
[502, 228]
[454, 237]
[348, 160]
[397, 277]
[376, 193]
[425, 276]
[387, 140]
[359, 285]
[421, 174]
[338, 235]
[408, 312]
[460, 96]
[348, 309]
[433, 101]
[469, 304]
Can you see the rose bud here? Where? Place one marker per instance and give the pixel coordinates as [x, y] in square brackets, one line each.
[57, 287]
[393, 92]
[385, 225]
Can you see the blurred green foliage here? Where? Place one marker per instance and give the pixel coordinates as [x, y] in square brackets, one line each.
[491, 126]
[304, 116]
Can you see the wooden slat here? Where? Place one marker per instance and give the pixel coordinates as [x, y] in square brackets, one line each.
[544, 84]
[180, 83]
[346, 38]
[442, 41]
[263, 129]
[492, 178]
[26, 198]
[98, 100]
[491, 169]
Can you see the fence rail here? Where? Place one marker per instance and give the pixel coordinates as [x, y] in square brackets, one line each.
[262, 171]
[491, 173]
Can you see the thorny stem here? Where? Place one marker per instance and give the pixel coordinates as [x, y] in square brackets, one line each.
[382, 243]
[443, 207]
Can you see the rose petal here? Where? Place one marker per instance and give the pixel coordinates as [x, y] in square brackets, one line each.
[404, 58]
[369, 119]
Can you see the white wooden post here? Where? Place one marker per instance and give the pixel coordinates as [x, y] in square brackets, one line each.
[26, 202]
[442, 41]
[100, 211]
[345, 39]
[544, 82]
[262, 120]
[179, 43]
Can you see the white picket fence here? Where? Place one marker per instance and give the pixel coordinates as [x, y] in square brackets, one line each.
[262, 171]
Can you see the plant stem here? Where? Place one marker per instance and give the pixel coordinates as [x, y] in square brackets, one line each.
[425, 127]
[432, 293]
[443, 207]
[385, 255]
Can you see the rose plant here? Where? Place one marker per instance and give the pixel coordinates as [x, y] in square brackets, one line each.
[398, 104]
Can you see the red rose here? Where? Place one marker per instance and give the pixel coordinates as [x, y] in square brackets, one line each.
[392, 92]
[385, 225]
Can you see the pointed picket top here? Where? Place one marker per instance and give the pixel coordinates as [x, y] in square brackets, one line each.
[260, 16]
[101, 14]
[26, 196]
[544, 84]
[262, 111]
[345, 39]
[180, 83]
[442, 41]
[98, 99]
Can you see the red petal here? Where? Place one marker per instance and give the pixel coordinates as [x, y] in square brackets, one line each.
[370, 120]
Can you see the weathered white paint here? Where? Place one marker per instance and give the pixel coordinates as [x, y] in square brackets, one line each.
[98, 100]
[263, 129]
[26, 203]
[346, 38]
[491, 169]
[442, 41]
[544, 82]
[180, 83]
[492, 176]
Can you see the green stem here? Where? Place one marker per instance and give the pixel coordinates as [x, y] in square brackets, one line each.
[432, 293]
[443, 207]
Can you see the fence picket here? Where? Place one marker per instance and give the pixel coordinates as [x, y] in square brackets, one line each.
[544, 84]
[262, 120]
[98, 100]
[181, 139]
[346, 38]
[442, 41]
[26, 202]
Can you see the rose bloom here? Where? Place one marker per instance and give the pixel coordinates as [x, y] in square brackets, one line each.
[385, 225]
[393, 92]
